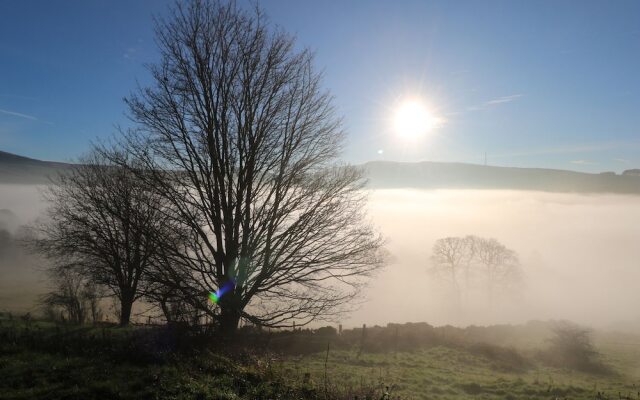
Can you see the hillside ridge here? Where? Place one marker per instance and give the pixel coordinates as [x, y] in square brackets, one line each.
[24, 170]
[396, 174]
[455, 175]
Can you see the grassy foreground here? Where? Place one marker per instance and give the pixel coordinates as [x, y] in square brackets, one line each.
[450, 373]
[47, 361]
[42, 360]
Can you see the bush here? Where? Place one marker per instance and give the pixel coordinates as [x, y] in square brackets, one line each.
[504, 358]
[571, 347]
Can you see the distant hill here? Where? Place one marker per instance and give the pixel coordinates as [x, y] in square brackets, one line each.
[442, 175]
[419, 175]
[18, 169]
[632, 172]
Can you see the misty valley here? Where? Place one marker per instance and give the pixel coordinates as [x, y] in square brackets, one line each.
[373, 200]
[575, 255]
[570, 248]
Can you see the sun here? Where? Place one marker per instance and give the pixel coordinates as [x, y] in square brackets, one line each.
[413, 119]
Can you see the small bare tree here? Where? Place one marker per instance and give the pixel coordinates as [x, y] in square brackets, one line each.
[243, 145]
[475, 260]
[68, 294]
[103, 223]
[450, 258]
[499, 265]
[93, 294]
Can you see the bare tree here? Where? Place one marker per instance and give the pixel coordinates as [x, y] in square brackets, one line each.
[475, 260]
[499, 265]
[102, 223]
[69, 294]
[164, 291]
[450, 257]
[243, 142]
[93, 293]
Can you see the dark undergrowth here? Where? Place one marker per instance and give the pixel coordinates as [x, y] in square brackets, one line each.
[40, 360]
[46, 360]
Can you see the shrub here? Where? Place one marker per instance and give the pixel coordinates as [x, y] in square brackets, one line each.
[504, 358]
[571, 347]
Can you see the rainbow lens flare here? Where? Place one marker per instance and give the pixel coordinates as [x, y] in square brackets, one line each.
[215, 297]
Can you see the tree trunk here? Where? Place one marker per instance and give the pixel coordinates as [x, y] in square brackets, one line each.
[229, 323]
[126, 304]
[166, 311]
[229, 318]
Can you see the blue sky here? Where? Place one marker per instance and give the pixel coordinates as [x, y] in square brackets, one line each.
[552, 84]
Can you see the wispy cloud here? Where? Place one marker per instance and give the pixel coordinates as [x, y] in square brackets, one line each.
[622, 160]
[503, 99]
[496, 101]
[25, 116]
[583, 162]
[17, 114]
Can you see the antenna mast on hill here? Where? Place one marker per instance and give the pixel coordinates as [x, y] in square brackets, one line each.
[485, 158]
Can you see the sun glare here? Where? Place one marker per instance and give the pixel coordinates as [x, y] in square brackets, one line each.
[413, 119]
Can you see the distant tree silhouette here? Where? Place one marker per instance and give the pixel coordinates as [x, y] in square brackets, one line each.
[101, 226]
[499, 265]
[451, 257]
[472, 260]
[243, 144]
[71, 293]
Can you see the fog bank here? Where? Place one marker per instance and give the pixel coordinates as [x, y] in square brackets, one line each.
[580, 255]
[21, 275]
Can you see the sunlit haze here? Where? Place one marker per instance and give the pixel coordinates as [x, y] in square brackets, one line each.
[335, 199]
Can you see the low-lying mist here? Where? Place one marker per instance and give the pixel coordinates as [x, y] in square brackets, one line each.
[580, 256]
[21, 274]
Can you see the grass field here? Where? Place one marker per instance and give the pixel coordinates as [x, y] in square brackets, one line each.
[448, 373]
[47, 361]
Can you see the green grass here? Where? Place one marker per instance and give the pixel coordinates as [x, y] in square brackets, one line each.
[87, 366]
[37, 375]
[456, 373]
[43, 360]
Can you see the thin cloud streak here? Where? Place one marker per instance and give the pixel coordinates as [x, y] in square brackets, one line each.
[17, 114]
[25, 116]
[494, 102]
[503, 99]
[583, 162]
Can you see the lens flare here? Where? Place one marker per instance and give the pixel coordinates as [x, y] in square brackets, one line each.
[214, 297]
